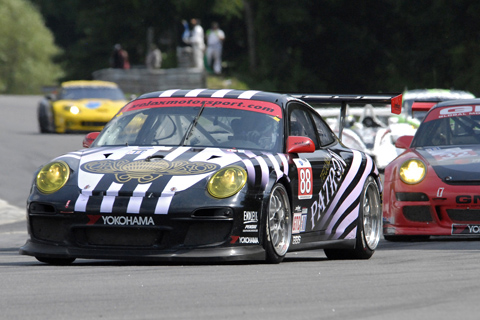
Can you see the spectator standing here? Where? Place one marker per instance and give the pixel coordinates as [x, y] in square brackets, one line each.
[197, 41]
[185, 34]
[154, 58]
[215, 38]
[119, 59]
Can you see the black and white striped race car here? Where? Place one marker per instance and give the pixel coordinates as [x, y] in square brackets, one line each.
[211, 175]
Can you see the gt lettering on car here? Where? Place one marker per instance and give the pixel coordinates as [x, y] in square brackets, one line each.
[304, 178]
[452, 111]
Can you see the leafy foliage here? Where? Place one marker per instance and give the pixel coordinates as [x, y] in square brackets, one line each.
[27, 49]
[295, 46]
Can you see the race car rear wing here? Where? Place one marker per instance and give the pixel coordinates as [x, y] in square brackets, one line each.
[394, 100]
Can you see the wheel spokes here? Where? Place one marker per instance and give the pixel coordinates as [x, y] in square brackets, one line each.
[371, 218]
[278, 222]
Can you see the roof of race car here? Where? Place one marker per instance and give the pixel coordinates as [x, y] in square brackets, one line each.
[279, 99]
[460, 102]
[436, 94]
[88, 83]
[465, 108]
[276, 98]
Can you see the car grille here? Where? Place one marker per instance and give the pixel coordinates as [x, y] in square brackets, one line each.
[411, 196]
[93, 123]
[417, 213]
[48, 229]
[124, 237]
[463, 215]
[207, 232]
[188, 233]
[197, 233]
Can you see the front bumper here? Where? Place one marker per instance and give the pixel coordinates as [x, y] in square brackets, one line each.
[213, 233]
[442, 210]
[37, 249]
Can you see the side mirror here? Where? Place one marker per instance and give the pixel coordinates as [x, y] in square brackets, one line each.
[404, 142]
[296, 144]
[51, 96]
[89, 138]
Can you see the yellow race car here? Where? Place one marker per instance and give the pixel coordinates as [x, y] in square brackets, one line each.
[83, 105]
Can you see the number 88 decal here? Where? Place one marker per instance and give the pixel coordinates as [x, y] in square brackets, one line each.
[304, 178]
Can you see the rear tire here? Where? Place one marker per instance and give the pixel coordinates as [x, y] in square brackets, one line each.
[278, 222]
[369, 225]
[405, 238]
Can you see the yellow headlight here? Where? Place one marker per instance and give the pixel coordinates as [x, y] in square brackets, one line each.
[412, 171]
[227, 181]
[52, 177]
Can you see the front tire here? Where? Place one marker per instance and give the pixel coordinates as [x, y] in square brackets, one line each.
[369, 225]
[278, 222]
[45, 119]
[56, 261]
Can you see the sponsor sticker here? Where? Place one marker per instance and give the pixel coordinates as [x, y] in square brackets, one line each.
[250, 228]
[466, 229]
[250, 217]
[121, 220]
[305, 185]
[296, 239]
[184, 102]
[299, 223]
[451, 153]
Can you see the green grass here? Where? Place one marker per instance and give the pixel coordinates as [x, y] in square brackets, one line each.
[223, 82]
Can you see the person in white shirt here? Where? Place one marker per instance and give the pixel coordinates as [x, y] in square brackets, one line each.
[154, 58]
[215, 38]
[197, 41]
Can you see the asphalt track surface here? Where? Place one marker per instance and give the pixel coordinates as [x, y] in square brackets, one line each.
[437, 279]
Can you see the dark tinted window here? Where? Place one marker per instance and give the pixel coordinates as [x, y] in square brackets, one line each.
[301, 124]
[325, 135]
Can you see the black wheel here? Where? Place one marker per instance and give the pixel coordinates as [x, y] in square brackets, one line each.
[56, 261]
[45, 119]
[278, 223]
[369, 225]
[393, 238]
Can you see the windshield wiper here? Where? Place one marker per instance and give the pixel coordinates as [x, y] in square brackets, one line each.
[192, 125]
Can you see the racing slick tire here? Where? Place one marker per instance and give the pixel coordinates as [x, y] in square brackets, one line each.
[403, 238]
[45, 121]
[56, 261]
[278, 222]
[369, 225]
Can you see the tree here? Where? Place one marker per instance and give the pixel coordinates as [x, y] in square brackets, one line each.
[27, 49]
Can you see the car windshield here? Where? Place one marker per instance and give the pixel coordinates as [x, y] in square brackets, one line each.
[77, 93]
[419, 115]
[449, 131]
[194, 126]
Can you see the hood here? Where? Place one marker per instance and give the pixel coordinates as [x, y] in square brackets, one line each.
[93, 104]
[455, 164]
[123, 177]
[134, 170]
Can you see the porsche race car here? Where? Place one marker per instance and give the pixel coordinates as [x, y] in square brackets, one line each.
[415, 104]
[80, 106]
[433, 187]
[208, 175]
